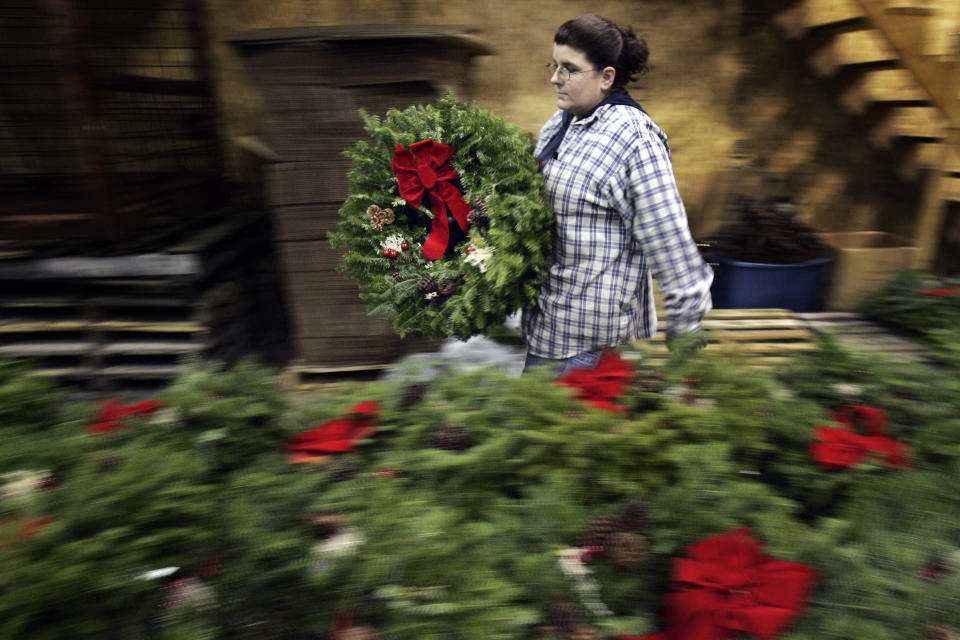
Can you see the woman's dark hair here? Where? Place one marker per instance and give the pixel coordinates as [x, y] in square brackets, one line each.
[606, 45]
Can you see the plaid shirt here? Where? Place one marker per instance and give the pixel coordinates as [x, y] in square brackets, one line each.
[618, 220]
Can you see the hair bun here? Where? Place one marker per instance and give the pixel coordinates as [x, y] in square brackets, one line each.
[634, 54]
[606, 45]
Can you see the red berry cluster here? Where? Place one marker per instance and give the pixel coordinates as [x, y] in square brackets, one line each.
[391, 253]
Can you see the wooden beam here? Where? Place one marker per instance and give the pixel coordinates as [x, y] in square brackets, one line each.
[864, 46]
[920, 7]
[808, 14]
[907, 35]
[883, 85]
[909, 122]
[933, 209]
[944, 33]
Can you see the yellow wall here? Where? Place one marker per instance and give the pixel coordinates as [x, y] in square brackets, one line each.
[717, 78]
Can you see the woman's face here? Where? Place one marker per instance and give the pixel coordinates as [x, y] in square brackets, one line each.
[585, 88]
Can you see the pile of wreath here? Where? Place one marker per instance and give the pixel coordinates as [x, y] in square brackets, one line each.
[447, 229]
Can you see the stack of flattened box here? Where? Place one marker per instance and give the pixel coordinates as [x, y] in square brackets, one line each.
[313, 81]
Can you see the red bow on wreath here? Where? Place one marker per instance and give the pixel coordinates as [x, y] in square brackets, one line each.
[940, 293]
[340, 434]
[112, 412]
[602, 384]
[728, 587]
[842, 447]
[424, 173]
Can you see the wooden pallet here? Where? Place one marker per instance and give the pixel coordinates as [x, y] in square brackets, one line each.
[863, 335]
[63, 343]
[111, 323]
[314, 378]
[766, 337]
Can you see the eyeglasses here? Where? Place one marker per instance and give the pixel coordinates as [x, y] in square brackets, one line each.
[565, 73]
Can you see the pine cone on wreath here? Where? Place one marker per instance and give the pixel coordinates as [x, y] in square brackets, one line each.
[452, 437]
[480, 203]
[324, 524]
[447, 287]
[626, 549]
[380, 218]
[599, 531]
[478, 215]
[427, 284]
[478, 219]
[634, 516]
[412, 394]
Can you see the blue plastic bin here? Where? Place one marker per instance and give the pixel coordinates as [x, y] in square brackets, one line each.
[757, 285]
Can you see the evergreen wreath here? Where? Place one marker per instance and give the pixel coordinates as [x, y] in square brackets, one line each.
[447, 229]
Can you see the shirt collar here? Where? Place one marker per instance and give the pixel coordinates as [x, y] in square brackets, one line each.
[587, 119]
[617, 97]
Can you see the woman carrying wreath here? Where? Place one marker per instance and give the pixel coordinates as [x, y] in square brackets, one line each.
[618, 215]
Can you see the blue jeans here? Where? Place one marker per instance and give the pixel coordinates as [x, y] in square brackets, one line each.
[585, 360]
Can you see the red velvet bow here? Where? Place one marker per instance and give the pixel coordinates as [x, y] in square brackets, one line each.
[112, 412]
[424, 173]
[842, 447]
[602, 384]
[940, 293]
[727, 587]
[340, 434]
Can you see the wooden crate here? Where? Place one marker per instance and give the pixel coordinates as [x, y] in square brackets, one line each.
[299, 183]
[305, 221]
[313, 82]
[864, 261]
